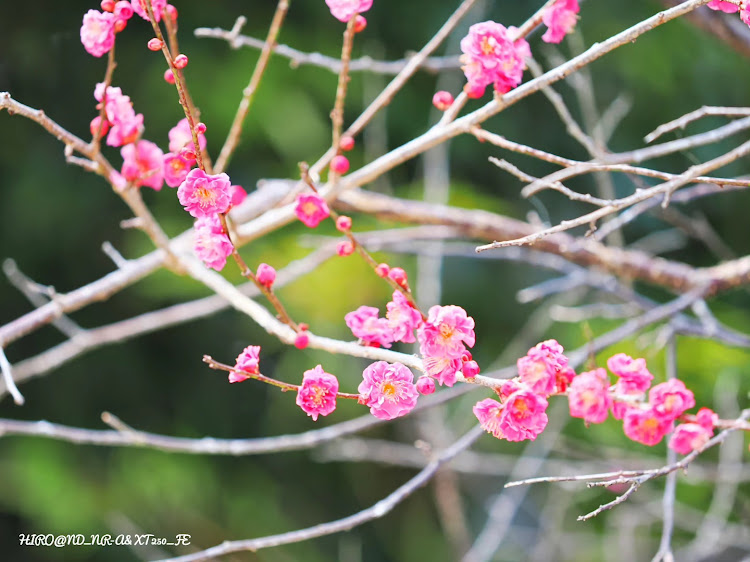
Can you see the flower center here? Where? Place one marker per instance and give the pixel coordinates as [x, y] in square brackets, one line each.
[446, 332]
[205, 196]
[319, 394]
[489, 45]
[388, 389]
[309, 208]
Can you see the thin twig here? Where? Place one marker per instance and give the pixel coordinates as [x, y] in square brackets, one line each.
[233, 138]
[8, 379]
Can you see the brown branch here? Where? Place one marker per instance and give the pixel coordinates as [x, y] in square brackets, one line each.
[483, 225]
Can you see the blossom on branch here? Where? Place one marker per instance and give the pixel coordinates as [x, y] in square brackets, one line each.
[521, 416]
[491, 55]
[343, 10]
[247, 361]
[588, 396]
[560, 19]
[317, 394]
[181, 137]
[645, 425]
[671, 399]
[311, 209]
[538, 369]
[143, 164]
[98, 32]
[176, 168]
[365, 325]
[210, 243]
[634, 379]
[139, 7]
[126, 125]
[388, 390]
[726, 7]
[203, 195]
[688, 437]
[403, 318]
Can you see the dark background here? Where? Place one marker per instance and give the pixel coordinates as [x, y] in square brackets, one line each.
[54, 218]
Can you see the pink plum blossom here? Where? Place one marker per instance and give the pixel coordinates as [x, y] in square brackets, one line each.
[98, 32]
[645, 426]
[143, 164]
[539, 367]
[317, 394]
[560, 19]
[706, 418]
[403, 318]
[588, 396]
[176, 168]
[246, 361]
[634, 377]
[491, 56]
[343, 10]
[489, 412]
[204, 195]
[726, 7]
[238, 195]
[445, 332]
[210, 244]
[118, 109]
[688, 437]
[444, 369]
[181, 137]
[139, 7]
[388, 390]
[671, 399]
[365, 325]
[524, 415]
[311, 209]
[521, 416]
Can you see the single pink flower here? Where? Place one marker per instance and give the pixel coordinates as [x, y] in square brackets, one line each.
[143, 164]
[176, 168]
[204, 195]
[645, 426]
[524, 415]
[181, 137]
[139, 7]
[726, 7]
[671, 399]
[210, 244]
[706, 418]
[343, 10]
[539, 368]
[588, 396]
[98, 32]
[634, 377]
[247, 361]
[560, 19]
[311, 209]
[388, 390]
[444, 369]
[445, 332]
[403, 318]
[489, 412]
[123, 10]
[317, 394]
[365, 325]
[491, 56]
[265, 275]
[688, 437]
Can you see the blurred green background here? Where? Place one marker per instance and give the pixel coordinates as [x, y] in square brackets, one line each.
[54, 218]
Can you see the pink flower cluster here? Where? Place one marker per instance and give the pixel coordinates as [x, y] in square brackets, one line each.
[521, 412]
[443, 338]
[388, 390]
[590, 397]
[181, 157]
[399, 324]
[343, 10]
[492, 56]
[125, 126]
[560, 19]
[99, 28]
[730, 8]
